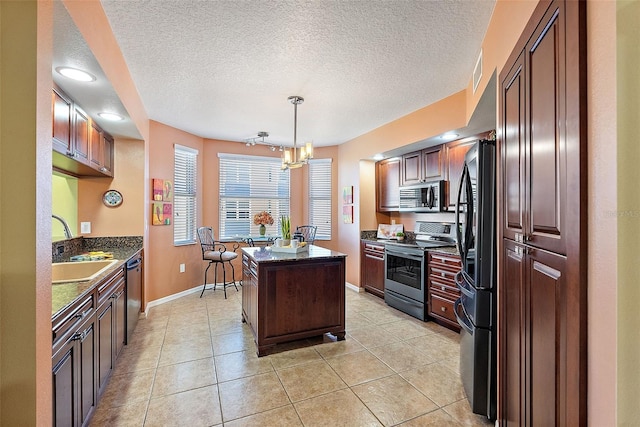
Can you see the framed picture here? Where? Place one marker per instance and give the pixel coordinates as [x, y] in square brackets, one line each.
[347, 214]
[162, 190]
[161, 213]
[347, 194]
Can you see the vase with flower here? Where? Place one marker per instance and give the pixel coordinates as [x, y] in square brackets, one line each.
[263, 219]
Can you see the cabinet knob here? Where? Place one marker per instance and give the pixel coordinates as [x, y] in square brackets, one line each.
[103, 169]
[442, 274]
[443, 309]
[443, 288]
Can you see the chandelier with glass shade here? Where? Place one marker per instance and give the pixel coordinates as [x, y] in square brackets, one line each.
[293, 158]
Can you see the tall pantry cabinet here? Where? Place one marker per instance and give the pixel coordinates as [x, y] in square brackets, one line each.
[542, 221]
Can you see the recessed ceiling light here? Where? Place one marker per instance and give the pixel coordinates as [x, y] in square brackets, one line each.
[112, 117]
[75, 74]
[449, 136]
[378, 157]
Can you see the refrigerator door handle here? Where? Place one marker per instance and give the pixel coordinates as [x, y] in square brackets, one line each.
[459, 203]
[464, 323]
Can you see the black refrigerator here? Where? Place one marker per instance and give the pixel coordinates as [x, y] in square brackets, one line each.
[476, 307]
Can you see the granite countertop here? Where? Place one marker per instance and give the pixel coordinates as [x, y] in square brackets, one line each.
[265, 254]
[64, 294]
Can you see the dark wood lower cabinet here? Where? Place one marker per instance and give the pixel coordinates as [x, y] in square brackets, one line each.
[86, 343]
[74, 377]
[534, 381]
[291, 299]
[442, 291]
[372, 267]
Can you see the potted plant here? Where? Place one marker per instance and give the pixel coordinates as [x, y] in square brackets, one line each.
[400, 236]
[263, 219]
[285, 229]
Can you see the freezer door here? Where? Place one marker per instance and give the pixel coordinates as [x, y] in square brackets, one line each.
[477, 365]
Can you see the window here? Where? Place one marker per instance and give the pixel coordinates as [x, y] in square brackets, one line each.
[184, 195]
[320, 197]
[248, 185]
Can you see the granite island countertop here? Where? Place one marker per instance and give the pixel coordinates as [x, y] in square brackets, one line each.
[64, 294]
[265, 254]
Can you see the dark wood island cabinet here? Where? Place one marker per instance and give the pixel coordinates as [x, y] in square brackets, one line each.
[288, 296]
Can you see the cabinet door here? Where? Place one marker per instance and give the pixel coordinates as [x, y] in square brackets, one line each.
[106, 341]
[61, 129]
[412, 168]
[107, 154]
[65, 377]
[95, 146]
[546, 141]
[455, 162]
[512, 338]
[432, 163]
[513, 147]
[545, 314]
[81, 136]
[388, 180]
[88, 379]
[372, 268]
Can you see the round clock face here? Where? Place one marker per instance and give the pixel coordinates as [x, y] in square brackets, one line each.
[112, 198]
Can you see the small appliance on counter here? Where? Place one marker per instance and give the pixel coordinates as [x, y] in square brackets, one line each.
[389, 231]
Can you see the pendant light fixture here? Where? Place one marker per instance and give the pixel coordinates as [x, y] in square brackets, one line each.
[290, 157]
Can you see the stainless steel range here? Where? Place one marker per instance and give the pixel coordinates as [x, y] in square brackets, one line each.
[405, 267]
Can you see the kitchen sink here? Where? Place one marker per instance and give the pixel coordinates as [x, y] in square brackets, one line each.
[79, 271]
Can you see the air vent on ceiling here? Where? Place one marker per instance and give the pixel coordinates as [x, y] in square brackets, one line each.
[477, 72]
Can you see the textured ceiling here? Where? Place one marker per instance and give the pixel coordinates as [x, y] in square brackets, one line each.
[224, 69]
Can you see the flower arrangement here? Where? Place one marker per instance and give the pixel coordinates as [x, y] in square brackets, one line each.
[263, 218]
[285, 227]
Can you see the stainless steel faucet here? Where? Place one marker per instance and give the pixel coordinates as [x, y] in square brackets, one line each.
[67, 231]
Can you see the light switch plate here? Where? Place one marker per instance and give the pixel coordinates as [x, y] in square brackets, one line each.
[181, 268]
[85, 227]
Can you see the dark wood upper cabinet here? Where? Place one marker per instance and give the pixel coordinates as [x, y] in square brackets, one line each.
[422, 166]
[388, 185]
[455, 162]
[82, 136]
[542, 221]
[61, 108]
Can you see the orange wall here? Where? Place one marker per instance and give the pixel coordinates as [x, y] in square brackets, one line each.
[128, 218]
[162, 259]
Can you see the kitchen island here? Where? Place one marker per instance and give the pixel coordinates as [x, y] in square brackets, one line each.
[290, 296]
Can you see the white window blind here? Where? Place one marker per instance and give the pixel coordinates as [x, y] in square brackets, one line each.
[184, 195]
[320, 197]
[248, 185]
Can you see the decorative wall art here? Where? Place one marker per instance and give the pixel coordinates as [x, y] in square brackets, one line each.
[162, 190]
[161, 208]
[347, 214]
[347, 195]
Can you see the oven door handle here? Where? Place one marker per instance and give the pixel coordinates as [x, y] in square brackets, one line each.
[405, 255]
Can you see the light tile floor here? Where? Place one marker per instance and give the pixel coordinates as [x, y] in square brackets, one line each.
[192, 362]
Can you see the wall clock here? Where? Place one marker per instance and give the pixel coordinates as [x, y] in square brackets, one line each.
[112, 198]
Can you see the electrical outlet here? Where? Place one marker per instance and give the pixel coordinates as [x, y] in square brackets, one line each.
[85, 227]
[182, 268]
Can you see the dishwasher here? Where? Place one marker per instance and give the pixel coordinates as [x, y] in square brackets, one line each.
[133, 293]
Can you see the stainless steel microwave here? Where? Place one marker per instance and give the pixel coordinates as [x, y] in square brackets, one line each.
[423, 197]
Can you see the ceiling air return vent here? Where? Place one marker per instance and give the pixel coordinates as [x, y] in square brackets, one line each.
[477, 72]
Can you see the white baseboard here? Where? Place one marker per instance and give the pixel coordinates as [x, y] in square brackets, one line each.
[169, 298]
[198, 288]
[353, 287]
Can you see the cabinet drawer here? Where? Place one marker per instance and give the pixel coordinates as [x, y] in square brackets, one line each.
[442, 275]
[374, 249]
[67, 323]
[442, 307]
[108, 287]
[443, 288]
[445, 261]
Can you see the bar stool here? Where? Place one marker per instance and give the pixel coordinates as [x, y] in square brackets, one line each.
[216, 253]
